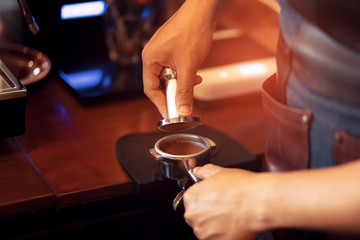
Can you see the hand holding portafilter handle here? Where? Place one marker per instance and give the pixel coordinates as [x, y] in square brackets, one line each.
[179, 197]
[174, 122]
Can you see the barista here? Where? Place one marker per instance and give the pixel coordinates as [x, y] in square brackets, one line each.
[312, 113]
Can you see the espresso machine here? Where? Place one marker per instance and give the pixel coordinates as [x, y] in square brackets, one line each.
[12, 91]
[12, 103]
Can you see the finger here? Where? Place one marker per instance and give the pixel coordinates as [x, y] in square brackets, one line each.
[198, 79]
[152, 88]
[159, 99]
[207, 171]
[184, 92]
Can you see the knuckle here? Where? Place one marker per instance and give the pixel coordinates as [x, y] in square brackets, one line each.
[184, 92]
[147, 92]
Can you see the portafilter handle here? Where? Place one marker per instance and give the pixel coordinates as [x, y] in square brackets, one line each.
[179, 197]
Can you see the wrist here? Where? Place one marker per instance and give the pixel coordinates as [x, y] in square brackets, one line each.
[266, 204]
[205, 10]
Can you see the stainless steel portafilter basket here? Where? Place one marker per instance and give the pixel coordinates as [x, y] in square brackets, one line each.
[176, 155]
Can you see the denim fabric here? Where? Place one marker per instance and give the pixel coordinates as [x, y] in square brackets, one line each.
[328, 114]
[265, 236]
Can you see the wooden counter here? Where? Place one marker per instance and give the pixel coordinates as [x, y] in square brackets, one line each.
[73, 147]
[22, 188]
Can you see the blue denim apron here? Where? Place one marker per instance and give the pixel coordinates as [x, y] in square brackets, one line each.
[325, 78]
[312, 104]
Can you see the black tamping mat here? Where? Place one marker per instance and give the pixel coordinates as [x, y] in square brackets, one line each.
[134, 156]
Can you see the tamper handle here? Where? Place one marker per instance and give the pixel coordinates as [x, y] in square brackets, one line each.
[174, 121]
[169, 77]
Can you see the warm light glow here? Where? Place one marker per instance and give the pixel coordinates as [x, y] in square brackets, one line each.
[234, 79]
[223, 74]
[252, 69]
[36, 71]
[30, 63]
[82, 10]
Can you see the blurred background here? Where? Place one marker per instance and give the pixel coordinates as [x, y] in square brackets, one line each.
[95, 46]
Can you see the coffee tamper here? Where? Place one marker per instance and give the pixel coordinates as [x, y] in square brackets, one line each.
[174, 122]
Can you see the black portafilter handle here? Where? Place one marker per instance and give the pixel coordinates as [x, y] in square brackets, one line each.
[179, 197]
[192, 176]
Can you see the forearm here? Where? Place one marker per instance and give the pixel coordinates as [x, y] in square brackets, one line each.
[204, 10]
[195, 20]
[325, 199]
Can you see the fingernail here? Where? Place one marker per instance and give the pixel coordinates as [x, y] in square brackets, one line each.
[185, 109]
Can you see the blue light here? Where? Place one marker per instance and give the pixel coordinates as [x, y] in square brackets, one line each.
[83, 79]
[83, 10]
[146, 12]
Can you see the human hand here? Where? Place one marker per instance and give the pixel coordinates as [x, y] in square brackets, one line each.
[181, 44]
[238, 204]
[223, 205]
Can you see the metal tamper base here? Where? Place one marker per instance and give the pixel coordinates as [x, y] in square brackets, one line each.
[179, 123]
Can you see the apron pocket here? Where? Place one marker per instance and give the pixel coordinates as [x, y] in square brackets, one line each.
[346, 147]
[287, 132]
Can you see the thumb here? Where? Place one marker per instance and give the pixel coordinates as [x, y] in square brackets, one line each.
[184, 92]
[207, 171]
